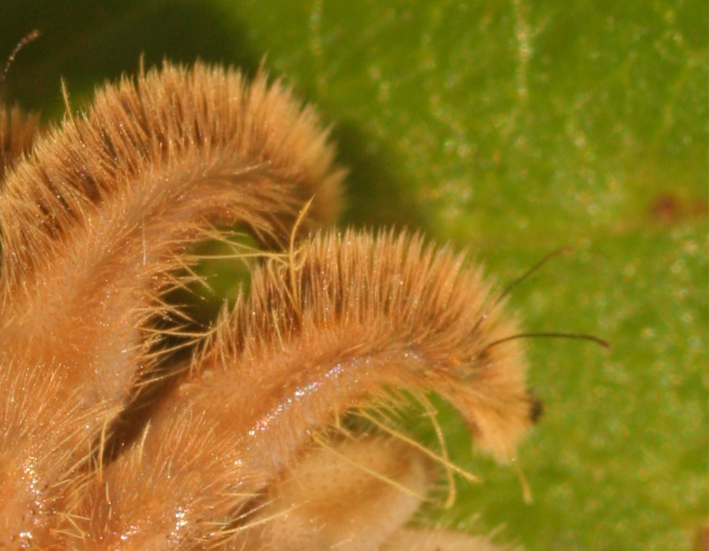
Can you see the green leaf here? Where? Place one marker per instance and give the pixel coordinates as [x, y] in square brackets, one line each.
[512, 129]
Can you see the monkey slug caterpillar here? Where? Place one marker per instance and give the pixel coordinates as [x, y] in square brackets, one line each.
[245, 447]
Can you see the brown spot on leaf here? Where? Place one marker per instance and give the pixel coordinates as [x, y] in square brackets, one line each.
[665, 208]
[670, 208]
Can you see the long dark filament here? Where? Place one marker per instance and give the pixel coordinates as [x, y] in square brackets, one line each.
[26, 40]
[577, 336]
[521, 279]
[29, 37]
[531, 271]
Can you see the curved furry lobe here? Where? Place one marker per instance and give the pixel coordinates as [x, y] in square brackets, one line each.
[344, 323]
[353, 494]
[93, 226]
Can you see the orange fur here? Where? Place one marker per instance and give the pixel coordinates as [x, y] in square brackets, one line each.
[329, 495]
[95, 225]
[365, 316]
[91, 225]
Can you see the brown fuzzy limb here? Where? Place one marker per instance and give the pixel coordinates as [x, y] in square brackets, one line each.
[346, 321]
[92, 228]
[349, 495]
